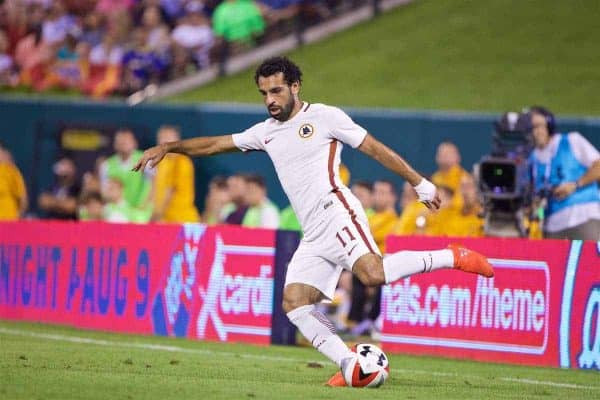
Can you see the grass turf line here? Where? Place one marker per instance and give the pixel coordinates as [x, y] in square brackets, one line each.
[43, 361]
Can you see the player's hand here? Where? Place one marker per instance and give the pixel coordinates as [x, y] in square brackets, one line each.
[564, 189]
[427, 194]
[153, 155]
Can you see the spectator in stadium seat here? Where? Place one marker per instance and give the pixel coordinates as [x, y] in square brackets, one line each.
[91, 207]
[140, 65]
[216, 199]
[363, 191]
[567, 167]
[90, 181]
[262, 212]
[92, 29]
[366, 302]
[70, 66]
[57, 24]
[174, 184]
[194, 34]
[31, 56]
[238, 21]
[468, 221]
[235, 210]
[104, 68]
[276, 11]
[407, 196]
[13, 193]
[384, 215]
[60, 200]
[437, 223]
[108, 7]
[8, 75]
[158, 32]
[16, 19]
[449, 171]
[173, 9]
[136, 187]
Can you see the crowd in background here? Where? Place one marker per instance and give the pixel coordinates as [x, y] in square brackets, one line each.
[104, 47]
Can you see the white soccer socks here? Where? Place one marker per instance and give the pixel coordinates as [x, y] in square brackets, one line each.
[316, 328]
[406, 263]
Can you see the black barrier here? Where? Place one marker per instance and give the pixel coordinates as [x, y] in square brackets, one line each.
[282, 330]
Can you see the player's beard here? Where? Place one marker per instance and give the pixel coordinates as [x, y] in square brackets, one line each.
[285, 110]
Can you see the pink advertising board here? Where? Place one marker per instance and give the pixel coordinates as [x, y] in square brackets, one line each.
[541, 307]
[182, 280]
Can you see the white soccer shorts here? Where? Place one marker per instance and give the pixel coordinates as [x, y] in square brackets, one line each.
[336, 243]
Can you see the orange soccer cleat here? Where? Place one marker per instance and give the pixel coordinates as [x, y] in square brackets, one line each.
[337, 380]
[471, 261]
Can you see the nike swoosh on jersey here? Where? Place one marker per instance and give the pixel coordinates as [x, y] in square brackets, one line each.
[267, 140]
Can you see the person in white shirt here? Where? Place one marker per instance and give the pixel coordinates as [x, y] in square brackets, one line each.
[304, 141]
[566, 168]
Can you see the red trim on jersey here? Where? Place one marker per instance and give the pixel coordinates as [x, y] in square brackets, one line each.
[307, 105]
[340, 196]
[332, 149]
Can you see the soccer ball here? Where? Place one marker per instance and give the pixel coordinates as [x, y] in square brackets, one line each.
[370, 367]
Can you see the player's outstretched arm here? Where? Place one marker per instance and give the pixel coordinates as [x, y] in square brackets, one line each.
[394, 162]
[195, 147]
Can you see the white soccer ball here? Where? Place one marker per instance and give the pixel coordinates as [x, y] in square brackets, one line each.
[370, 367]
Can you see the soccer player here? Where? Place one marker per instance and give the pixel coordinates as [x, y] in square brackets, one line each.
[304, 141]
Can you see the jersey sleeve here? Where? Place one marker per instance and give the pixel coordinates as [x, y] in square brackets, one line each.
[583, 150]
[250, 139]
[344, 129]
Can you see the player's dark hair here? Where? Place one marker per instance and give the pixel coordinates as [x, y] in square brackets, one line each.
[271, 66]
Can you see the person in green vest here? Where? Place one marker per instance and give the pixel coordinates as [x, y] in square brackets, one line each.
[136, 187]
[261, 213]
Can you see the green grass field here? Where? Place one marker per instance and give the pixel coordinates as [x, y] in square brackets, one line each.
[50, 362]
[491, 55]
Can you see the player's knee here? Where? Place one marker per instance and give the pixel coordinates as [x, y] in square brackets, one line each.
[297, 295]
[291, 301]
[370, 273]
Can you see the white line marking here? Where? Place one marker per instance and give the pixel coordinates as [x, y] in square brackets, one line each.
[176, 349]
[506, 379]
[548, 383]
[146, 346]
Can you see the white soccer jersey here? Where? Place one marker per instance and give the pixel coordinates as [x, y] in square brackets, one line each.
[305, 151]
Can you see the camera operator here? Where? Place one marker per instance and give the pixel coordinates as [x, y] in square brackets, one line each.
[566, 168]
